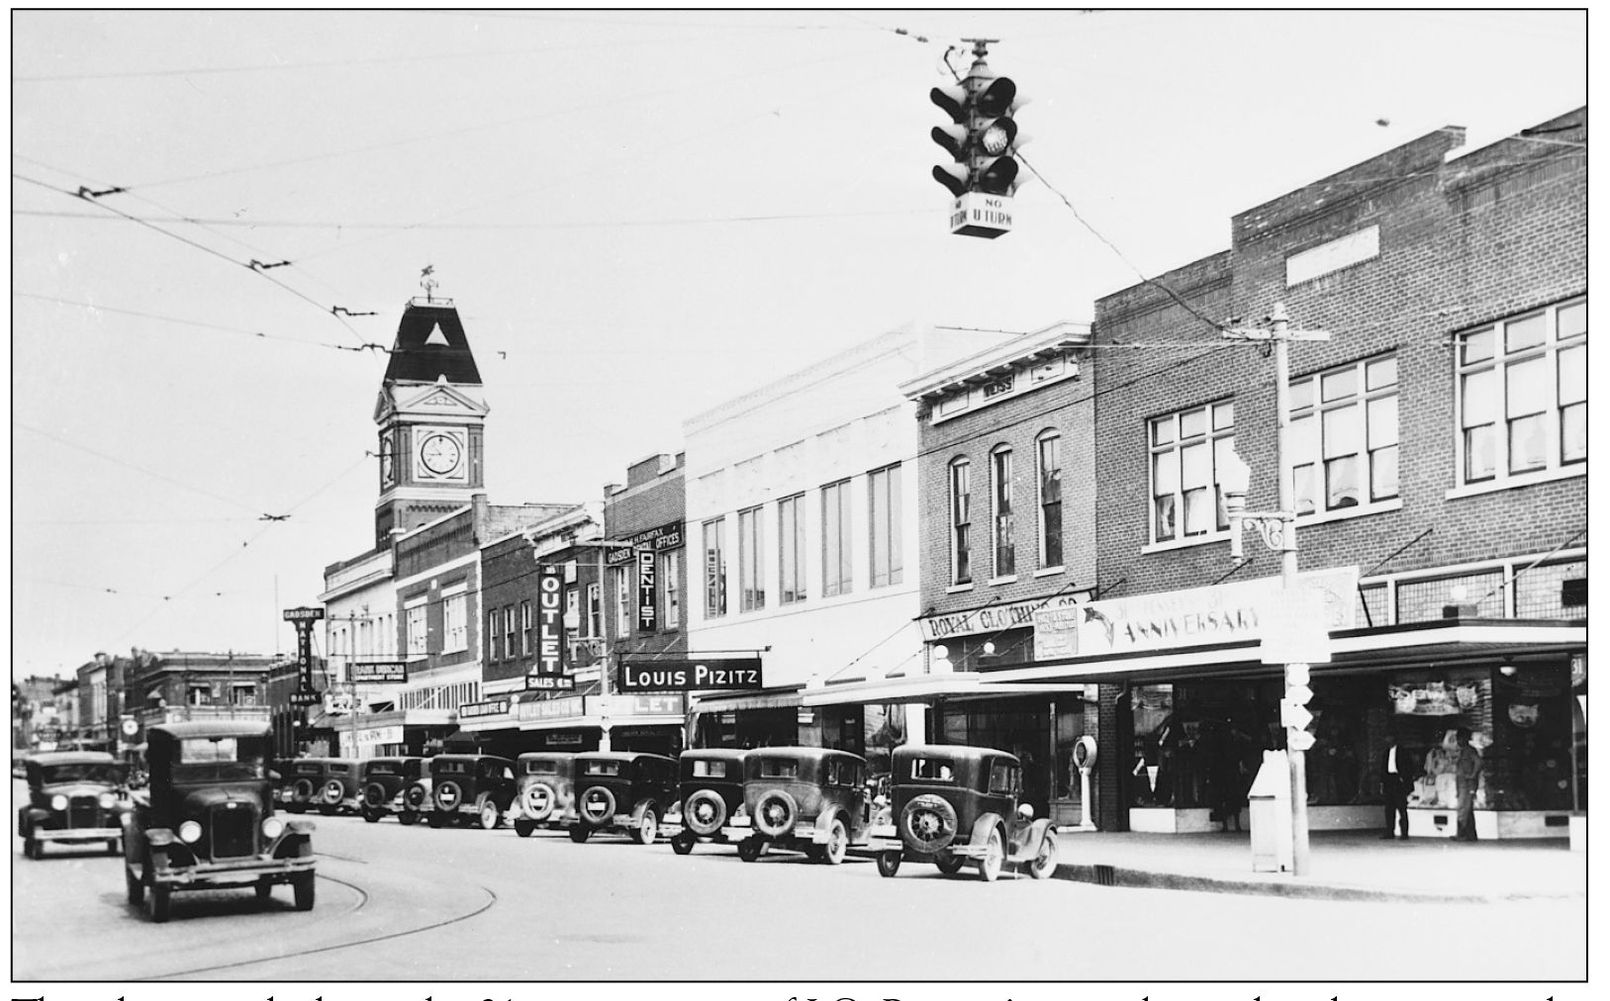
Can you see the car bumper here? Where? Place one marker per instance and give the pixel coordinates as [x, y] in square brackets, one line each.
[249, 870]
[78, 834]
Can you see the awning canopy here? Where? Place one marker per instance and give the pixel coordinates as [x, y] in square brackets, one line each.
[723, 702]
[921, 688]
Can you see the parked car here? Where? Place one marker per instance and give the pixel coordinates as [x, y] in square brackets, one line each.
[385, 782]
[417, 796]
[547, 791]
[711, 793]
[465, 786]
[342, 788]
[74, 798]
[954, 803]
[300, 782]
[624, 791]
[207, 819]
[806, 799]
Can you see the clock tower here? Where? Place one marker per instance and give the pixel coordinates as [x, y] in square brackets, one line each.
[431, 413]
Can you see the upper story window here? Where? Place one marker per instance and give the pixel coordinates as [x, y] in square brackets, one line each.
[961, 521]
[791, 549]
[1049, 462]
[1186, 450]
[492, 633]
[1001, 526]
[1344, 436]
[751, 588]
[1523, 395]
[836, 538]
[715, 569]
[525, 628]
[508, 631]
[883, 527]
[670, 586]
[623, 601]
[455, 630]
[414, 622]
[595, 611]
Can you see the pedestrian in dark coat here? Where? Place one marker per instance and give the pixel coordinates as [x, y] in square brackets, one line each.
[1397, 779]
[1467, 778]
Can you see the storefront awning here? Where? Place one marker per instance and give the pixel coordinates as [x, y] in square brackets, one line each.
[918, 688]
[1423, 642]
[775, 698]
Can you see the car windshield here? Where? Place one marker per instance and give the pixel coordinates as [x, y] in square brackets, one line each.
[218, 758]
[88, 771]
[542, 767]
[710, 769]
[778, 768]
[603, 768]
[932, 770]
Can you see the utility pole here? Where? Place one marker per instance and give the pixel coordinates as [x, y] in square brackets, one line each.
[1279, 532]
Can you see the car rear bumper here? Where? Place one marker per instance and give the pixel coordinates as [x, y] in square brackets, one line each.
[248, 870]
[78, 834]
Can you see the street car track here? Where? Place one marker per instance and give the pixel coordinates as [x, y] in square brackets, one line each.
[363, 901]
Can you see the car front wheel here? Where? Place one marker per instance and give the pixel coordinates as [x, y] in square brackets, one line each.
[114, 846]
[302, 890]
[136, 889]
[682, 844]
[491, 817]
[524, 827]
[32, 848]
[580, 833]
[264, 892]
[888, 863]
[949, 864]
[838, 843]
[408, 818]
[436, 820]
[749, 849]
[648, 829]
[371, 815]
[989, 867]
[161, 902]
[1045, 860]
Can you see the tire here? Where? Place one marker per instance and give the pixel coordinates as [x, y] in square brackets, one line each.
[539, 800]
[524, 828]
[888, 863]
[749, 849]
[371, 815]
[682, 844]
[602, 798]
[333, 792]
[705, 812]
[928, 823]
[408, 818]
[435, 820]
[648, 828]
[302, 891]
[490, 816]
[949, 864]
[160, 902]
[416, 799]
[775, 812]
[1045, 861]
[580, 833]
[374, 795]
[264, 891]
[32, 848]
[302, 791]
[296, 807]
[448, 795]
[838, 843]
[326, 810]
[135, 888]
[989, 867]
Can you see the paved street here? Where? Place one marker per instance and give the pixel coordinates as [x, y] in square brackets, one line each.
[421, 904]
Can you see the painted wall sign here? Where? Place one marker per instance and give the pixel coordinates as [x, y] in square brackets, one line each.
[667, 536]
[560, 708]
[648, 617]
[550, 620]
[481, 710]
[550, 683]
[742, 674]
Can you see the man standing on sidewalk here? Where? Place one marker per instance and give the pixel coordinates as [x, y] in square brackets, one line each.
[1396, 781]
[1467, 777]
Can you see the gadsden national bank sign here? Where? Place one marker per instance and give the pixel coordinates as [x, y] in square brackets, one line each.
[727, 674]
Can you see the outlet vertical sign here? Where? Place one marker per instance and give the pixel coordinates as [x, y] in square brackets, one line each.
[550, 621]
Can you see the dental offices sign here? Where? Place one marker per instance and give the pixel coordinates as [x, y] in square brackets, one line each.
[1247, 611]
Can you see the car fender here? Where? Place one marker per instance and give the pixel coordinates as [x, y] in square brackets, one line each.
[161, 837]
[1036, 833]
[642, 807]
[33, 813]
[824, 824]
[985, 823]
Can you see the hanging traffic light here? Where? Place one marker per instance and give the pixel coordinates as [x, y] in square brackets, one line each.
[981, 141]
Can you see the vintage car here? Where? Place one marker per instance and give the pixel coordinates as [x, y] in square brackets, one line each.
[207, 818]
[625, 791]
[711, 790]
[74, 798]
[416, 797]
[300, 782]
[547, 791]
[806, 799]
[954, 803]
[385, 784]
[467, 787]
[342, 788]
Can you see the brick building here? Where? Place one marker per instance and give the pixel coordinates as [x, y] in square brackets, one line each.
[1438, 458]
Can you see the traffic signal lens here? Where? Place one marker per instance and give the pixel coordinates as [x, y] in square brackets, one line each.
[997, 98]
[997, 139]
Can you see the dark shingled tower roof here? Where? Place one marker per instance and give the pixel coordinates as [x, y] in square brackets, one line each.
[418, 354]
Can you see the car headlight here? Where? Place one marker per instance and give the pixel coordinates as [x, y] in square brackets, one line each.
[108, 801]
[190, 832]
[272, 827]
[58, 802]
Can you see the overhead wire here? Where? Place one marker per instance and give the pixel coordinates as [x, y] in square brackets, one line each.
[256, 334]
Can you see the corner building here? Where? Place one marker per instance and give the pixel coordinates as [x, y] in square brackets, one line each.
[1438, 460]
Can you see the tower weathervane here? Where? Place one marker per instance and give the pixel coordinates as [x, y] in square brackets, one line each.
[427, 282]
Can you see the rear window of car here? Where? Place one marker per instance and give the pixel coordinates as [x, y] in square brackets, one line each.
[542, 768]
[218, 758]
[843, 773]
[603, 768]
[710, 769]
[452, 767]
[933, 770]
[340, 769]
[384, 769]
[778, 768]
[1003, 777]
[307, 768]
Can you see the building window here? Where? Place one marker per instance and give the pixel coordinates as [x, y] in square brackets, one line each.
[1049, 460]
[1344, 436]
[525, 629]
[492, 636]
[455, 631]
[1001, 524]
[1186, 450]
[623, 602]
[242, 694]
[195, 695]
[595, 611]
[1523, 394]
[961, 518]
[836, 539]
[715, 569]
[670, 585]
[573, 611]
[791, 549]
[508, 631]
[415, 623]
[883, 528]
[751, 588]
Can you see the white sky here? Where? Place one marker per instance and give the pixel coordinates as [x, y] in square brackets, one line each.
[600, 193]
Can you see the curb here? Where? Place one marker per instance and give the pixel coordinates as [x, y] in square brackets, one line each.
[1108, 875]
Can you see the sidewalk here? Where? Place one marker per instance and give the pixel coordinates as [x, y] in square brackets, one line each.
[1345, 865]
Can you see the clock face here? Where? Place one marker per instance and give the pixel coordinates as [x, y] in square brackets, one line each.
[440, 453]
